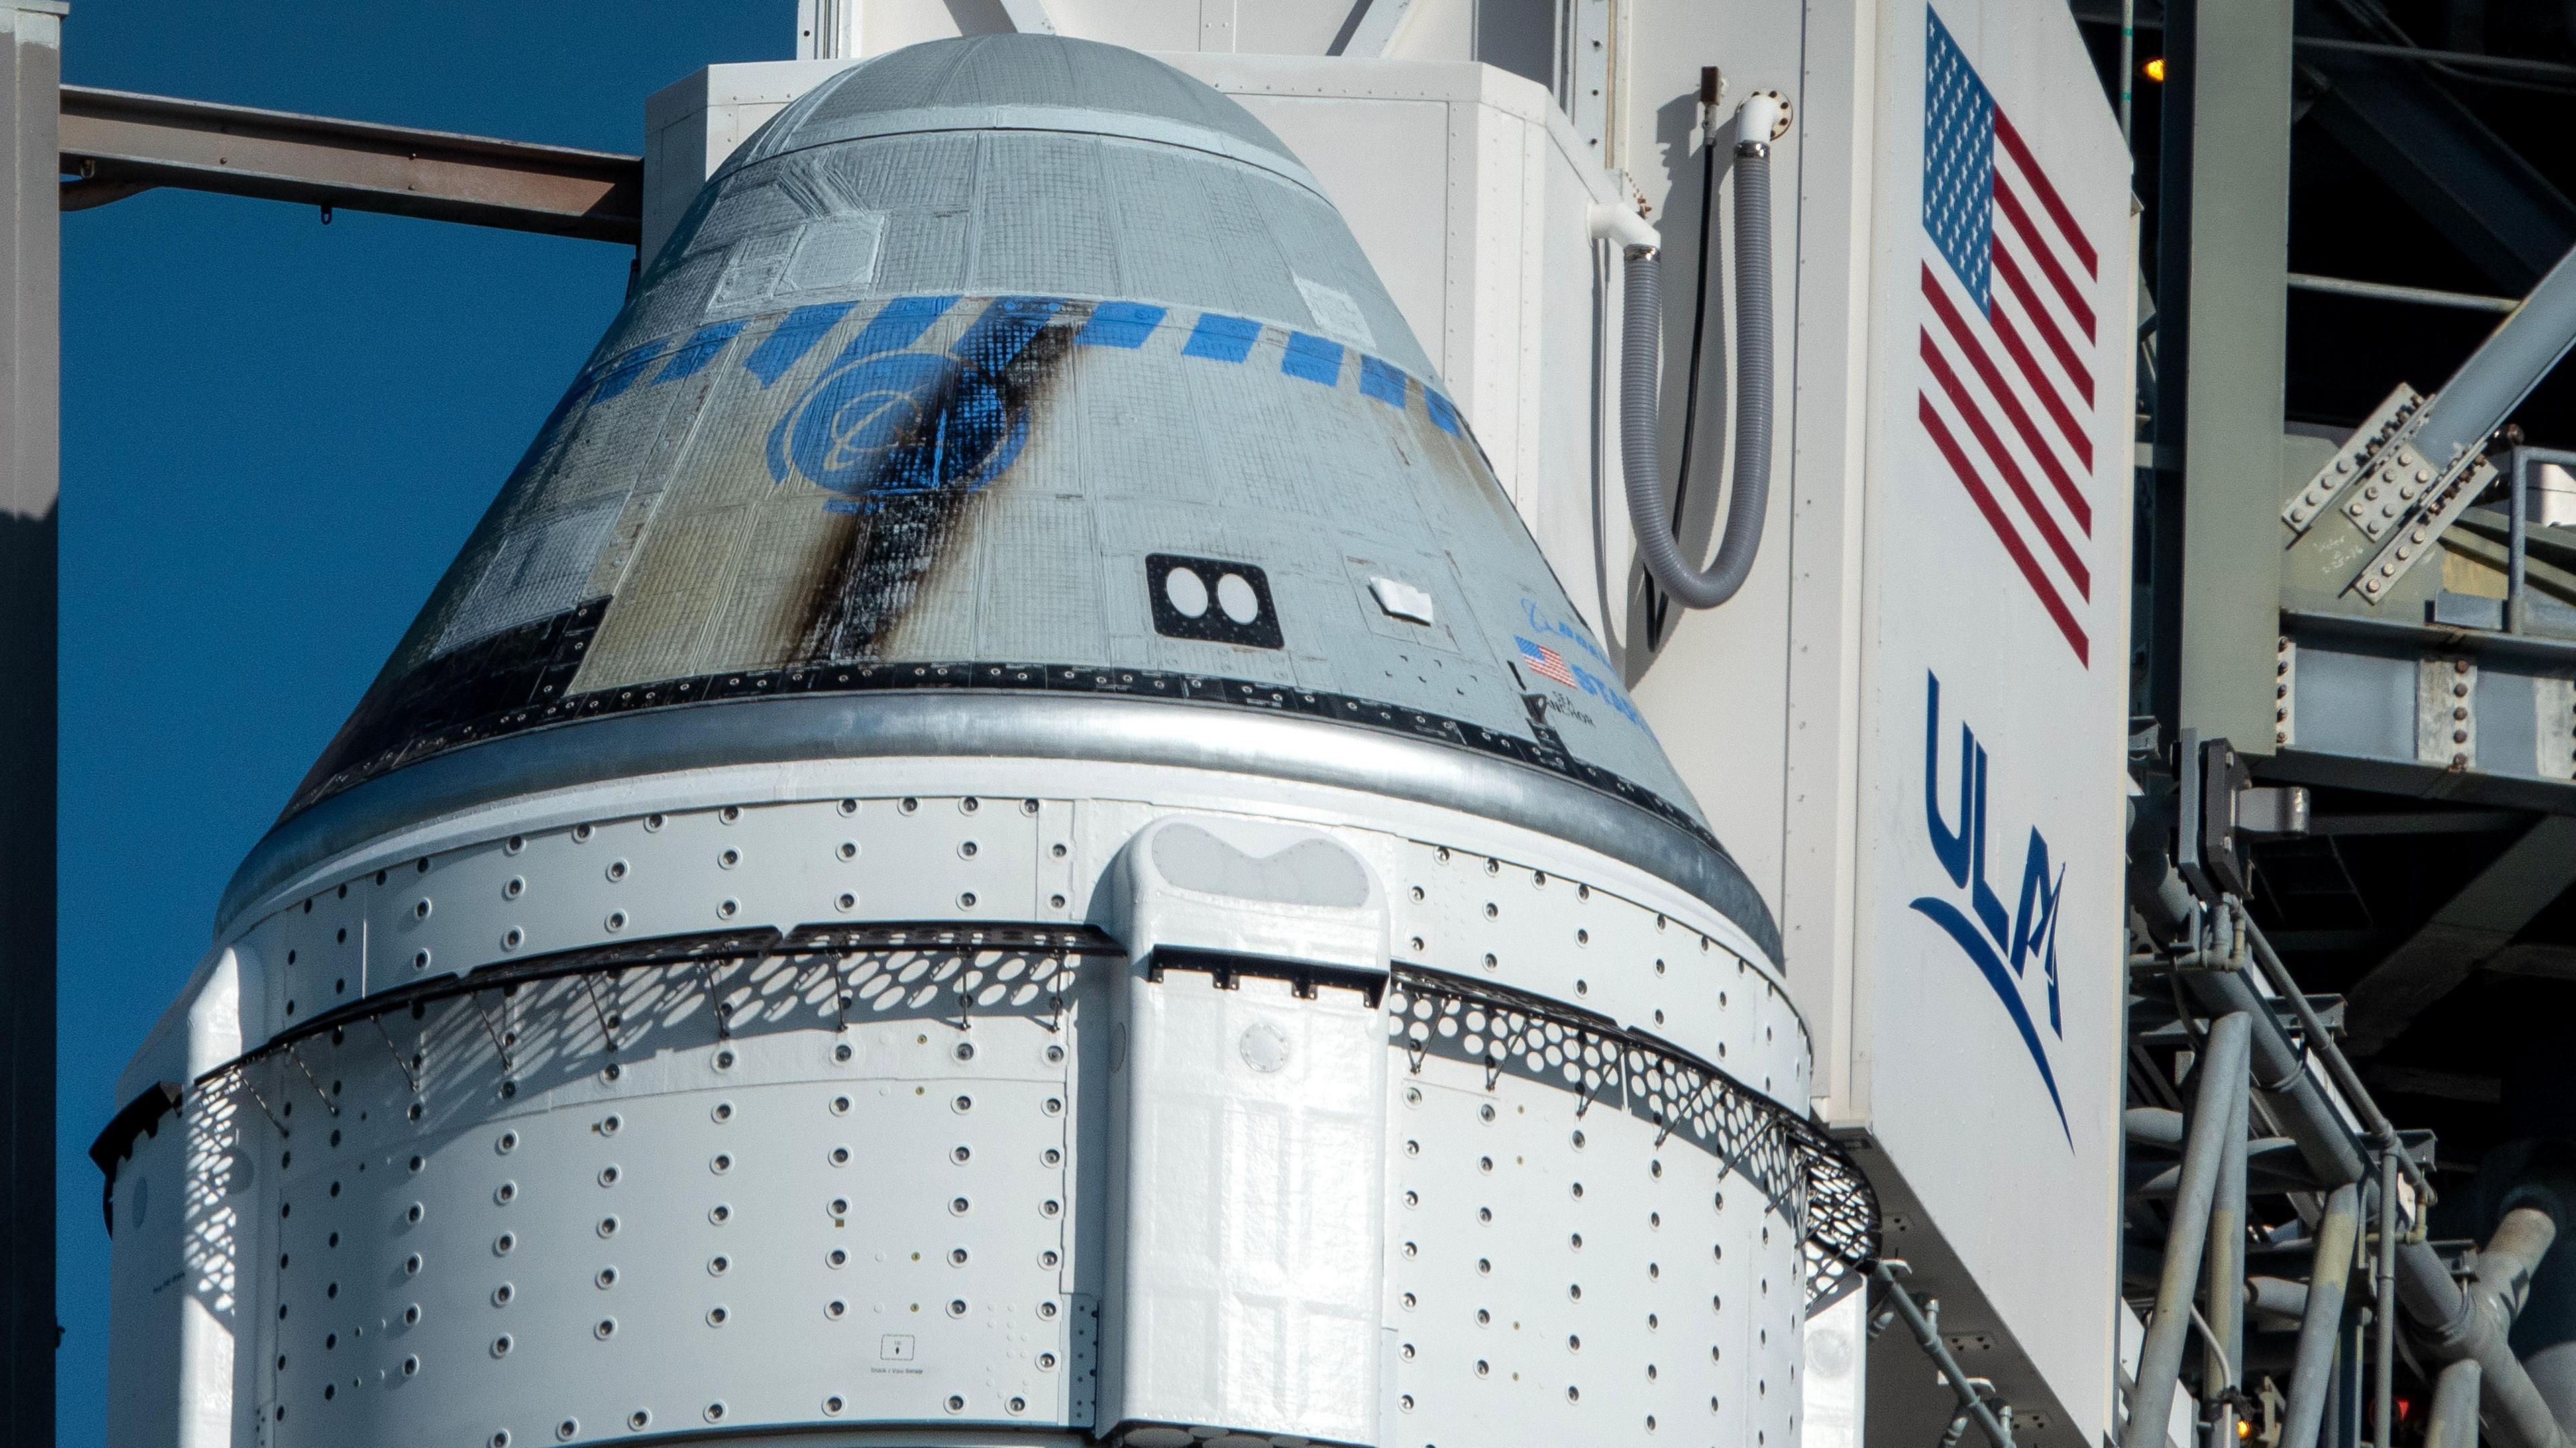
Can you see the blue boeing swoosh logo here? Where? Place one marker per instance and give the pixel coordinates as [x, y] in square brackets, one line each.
[886, 420]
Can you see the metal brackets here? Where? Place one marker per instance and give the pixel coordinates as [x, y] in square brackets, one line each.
[1924, 1321]
[2418, 523]
[2446, 723]
[2398, 497]
[2378, 447]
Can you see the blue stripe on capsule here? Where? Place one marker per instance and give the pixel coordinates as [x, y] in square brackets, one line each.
[897, 325]
[702, 348]
[1382, 382]
[1312, 358]
[1221, 338]
[1007, 326]
[793, 338]
[1443, 415]
[622, 373]
[1120, 324]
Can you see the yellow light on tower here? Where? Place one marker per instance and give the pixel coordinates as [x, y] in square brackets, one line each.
[2156, 70]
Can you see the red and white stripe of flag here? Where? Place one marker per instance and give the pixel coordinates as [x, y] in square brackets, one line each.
[2013, 391]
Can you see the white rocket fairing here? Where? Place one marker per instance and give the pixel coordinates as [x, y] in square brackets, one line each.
[1000, 835]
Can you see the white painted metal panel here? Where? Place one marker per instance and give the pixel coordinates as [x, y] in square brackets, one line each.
[1990, 943]
[656, 1095]
[174, 1288]
[1249, 1190]
[1468, 188]
[1833, 1389]
[1797, 713]
[1576, 1276]
[691, 125]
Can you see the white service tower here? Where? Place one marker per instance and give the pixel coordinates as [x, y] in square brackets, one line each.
[1058, 805]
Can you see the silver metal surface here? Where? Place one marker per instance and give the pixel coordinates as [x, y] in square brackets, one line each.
[2387, 292]
[2273, 810]
[2450, 1324]
[2446, 721]
[1071, 120]
[2446, 1323]
[1010, 83]
[2383, 1324]
[2223, 1358]
[2418, 468]
[959, 724]
[2517, 539]
[2215, 1110]
[2504, 369]
[1588, 1306]
[1795, 1166]
[850, 842]
[2454, 1422]
[2320, 1041]
[602, 1011]
[2312, 1376]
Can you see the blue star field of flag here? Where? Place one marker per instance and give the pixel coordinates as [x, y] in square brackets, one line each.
[1958, 160]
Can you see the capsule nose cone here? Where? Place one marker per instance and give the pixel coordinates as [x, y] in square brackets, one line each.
[1022, 82]
[1026, 365]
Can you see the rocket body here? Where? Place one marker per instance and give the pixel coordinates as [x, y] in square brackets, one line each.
[1001, 834]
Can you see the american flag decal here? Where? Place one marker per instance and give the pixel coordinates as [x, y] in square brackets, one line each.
[2009, 344]
[1545, 662]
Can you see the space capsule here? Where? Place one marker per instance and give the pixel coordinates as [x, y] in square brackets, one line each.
[1001, 834]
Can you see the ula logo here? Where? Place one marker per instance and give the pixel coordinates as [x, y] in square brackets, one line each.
[2002, 946]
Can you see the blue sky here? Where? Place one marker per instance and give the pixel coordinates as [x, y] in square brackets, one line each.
[275, 436]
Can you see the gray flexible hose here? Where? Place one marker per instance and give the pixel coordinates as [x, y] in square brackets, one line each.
[1650, 506]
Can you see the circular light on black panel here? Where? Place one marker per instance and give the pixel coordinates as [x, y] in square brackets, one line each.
[1211, 599]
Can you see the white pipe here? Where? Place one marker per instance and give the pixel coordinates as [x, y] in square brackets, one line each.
[1623, 225]
[1757, 119]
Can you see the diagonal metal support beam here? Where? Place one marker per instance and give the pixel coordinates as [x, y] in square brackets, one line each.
[2435, 152]
[1029, 17]
[119, 143]
[2218, 1105]
[1371, 29]
[2312, 1376]
[2472, 929]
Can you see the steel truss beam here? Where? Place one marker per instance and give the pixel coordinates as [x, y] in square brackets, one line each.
[2436, 154]
[119, 143]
